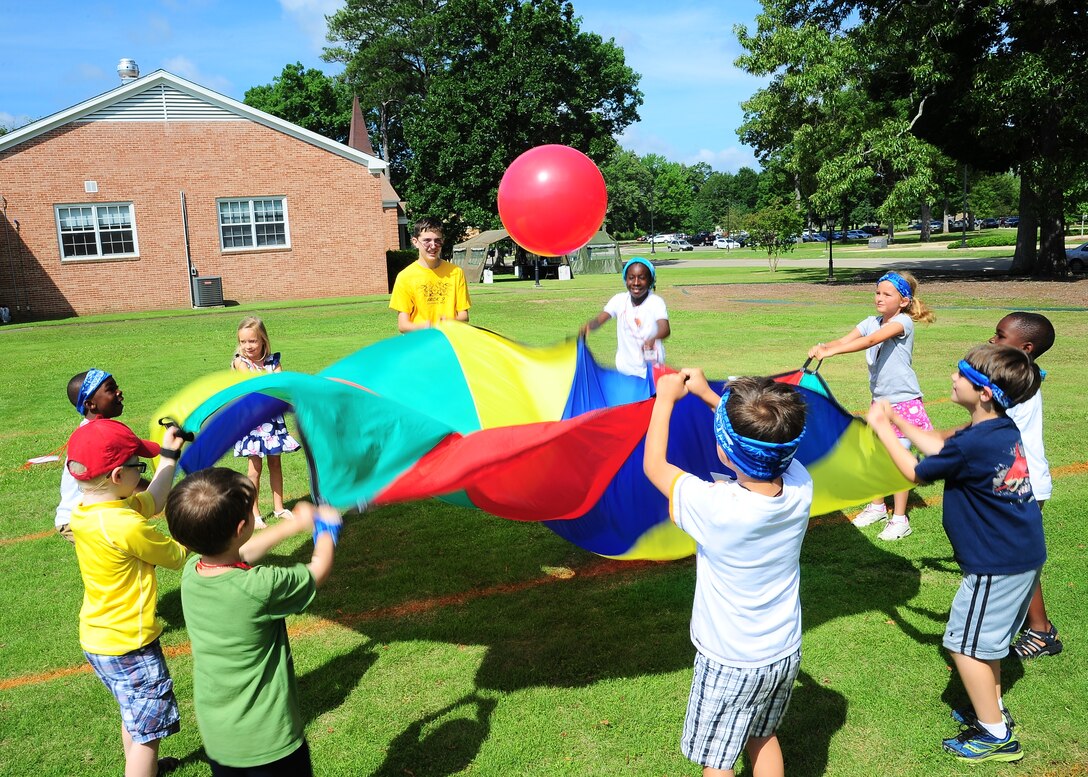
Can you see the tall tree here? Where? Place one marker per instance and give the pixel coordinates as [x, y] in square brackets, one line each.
[308, 98]
[474, 83]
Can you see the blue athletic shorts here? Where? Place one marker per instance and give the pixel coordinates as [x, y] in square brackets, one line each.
[987, 613]
[142, 686]
[729, 705]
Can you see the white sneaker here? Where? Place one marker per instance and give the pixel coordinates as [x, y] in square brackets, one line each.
[869, 515]
[895, 530]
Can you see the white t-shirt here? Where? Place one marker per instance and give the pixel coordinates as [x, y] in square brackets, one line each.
[1028, 417]
[747, 608]
[634, 325]
[69, 493]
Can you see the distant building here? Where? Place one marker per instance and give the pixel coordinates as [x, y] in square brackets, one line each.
[117, 203]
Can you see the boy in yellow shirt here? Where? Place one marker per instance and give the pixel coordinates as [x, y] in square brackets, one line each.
[118, 550]
[430, 289]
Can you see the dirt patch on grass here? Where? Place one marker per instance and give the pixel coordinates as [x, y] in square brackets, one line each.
[973, 292]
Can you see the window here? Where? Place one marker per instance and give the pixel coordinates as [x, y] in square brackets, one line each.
[97, 231]
[258, 223]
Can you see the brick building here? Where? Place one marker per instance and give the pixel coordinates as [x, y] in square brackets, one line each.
[116, 203]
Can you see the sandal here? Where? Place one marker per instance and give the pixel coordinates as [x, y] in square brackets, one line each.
[1033, 644]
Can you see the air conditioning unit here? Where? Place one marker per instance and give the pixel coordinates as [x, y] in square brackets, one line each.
[207, 291]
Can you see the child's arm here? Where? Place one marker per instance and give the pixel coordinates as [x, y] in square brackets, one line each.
[928, 441]
[670, 389]
[238, 364]
[328, 522]
[697, 385]
[594, 323]
[160, 484]
[882, 426]
[663, 331]
[405, 323]
[320, 565]
[855, 341]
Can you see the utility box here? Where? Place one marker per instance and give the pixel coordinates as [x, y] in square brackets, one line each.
[207, 291]
[564, 272]
[878, 242]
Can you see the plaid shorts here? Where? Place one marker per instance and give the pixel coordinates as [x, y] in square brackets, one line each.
[728, 706]
[141, 683]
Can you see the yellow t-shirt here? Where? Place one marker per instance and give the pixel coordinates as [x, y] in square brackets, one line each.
[118, 550]
[430, 295]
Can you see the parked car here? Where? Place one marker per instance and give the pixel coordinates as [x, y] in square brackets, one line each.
[990, 223]
[701, 238]
[873, 230]
[726, 242]
[679, 245]
[1077, 258]
[1011, 221]
[857, 234]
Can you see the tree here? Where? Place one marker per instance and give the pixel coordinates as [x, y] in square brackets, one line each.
[628, 182]
[995, 195]
[307, 98]
[474, 83]
[774, 229]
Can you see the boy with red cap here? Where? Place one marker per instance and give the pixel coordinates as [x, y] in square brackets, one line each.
[118, 550]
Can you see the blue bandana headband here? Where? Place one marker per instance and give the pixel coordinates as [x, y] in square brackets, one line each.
[94, 379]
[898, 281]
[644, 262]
[755, 458]
[981, 381]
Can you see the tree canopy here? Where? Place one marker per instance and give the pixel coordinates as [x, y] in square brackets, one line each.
[307, 98]
[462, 87]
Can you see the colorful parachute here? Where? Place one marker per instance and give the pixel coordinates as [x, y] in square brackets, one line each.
[526, 433]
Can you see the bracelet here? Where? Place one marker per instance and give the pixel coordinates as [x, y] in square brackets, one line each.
[331, 529]
[170, 453]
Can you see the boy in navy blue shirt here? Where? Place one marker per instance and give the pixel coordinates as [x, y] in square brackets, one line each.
[995, 527]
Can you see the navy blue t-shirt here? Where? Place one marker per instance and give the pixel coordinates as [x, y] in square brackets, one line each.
[990, 515]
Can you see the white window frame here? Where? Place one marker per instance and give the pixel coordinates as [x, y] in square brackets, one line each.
[96, 226]
[248, 203]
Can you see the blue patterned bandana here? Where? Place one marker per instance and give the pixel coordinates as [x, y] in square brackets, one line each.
[981, 381]
[898, 281]
[755, 458]
[94, 379]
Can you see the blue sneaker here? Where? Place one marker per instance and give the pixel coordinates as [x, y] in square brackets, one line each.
[965, 716]
[975, 746]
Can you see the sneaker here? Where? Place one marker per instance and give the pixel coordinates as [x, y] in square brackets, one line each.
[965, 716]
[283, 514]
[895, 530]
[869, 515]
[977, 746]
[258, 523]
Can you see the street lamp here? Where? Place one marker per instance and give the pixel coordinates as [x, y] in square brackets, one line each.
[963, 221]
[652, 233]
[830, 221]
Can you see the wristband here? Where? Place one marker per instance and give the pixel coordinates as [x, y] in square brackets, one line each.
[169, 453]
[331, 529]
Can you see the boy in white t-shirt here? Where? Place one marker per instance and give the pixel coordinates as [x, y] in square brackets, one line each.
[746, 618]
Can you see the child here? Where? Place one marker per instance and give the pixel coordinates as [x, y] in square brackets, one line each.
[118, 550]
[995, 527]
[243, 673]
[94, 394]
[746, 618]
[430, 289]
[888, 339]
[1033, 334]
[271, 438]
[642, 321]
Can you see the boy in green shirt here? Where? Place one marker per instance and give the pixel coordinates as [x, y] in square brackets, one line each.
[244, 689]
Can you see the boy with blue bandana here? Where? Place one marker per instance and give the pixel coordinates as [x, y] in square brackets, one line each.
[94, 394]
[995, 527]
[746, 617]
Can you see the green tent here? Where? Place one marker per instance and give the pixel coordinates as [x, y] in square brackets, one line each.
[601, 255]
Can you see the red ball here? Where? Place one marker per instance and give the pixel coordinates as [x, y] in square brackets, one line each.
[552, 200]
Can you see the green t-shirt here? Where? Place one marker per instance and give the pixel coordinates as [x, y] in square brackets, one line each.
[244, 687]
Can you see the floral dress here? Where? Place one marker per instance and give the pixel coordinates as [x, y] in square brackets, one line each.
[270, 438]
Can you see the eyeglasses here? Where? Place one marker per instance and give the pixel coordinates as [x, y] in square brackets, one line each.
[436, 240]
[140, 466]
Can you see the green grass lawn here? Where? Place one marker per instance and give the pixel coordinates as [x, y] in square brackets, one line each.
[453, 642]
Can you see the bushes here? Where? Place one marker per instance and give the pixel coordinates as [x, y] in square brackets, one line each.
[395, 261]
[1003, 238]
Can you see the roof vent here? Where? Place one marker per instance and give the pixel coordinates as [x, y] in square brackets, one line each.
[128, 70]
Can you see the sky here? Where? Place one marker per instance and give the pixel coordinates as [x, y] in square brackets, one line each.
[58, 53]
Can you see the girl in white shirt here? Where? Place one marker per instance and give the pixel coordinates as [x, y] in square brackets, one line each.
[642, 320]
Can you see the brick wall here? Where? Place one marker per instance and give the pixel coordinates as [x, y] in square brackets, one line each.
[338, 230]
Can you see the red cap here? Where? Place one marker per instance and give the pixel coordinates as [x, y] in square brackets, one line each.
[104, 444]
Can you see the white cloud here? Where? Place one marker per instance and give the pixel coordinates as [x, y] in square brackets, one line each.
[185, 68]
[310, 16]
[11, 121]
[728, 160]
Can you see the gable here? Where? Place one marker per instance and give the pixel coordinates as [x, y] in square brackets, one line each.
[162, 103]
